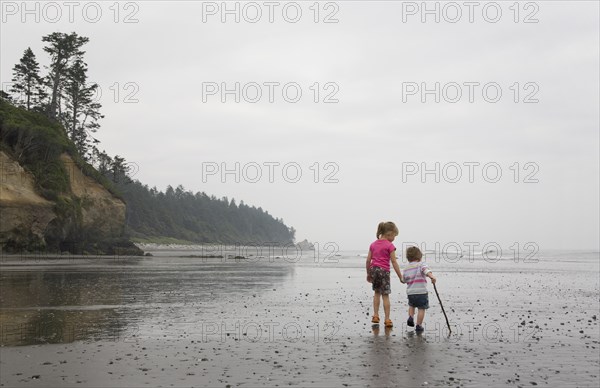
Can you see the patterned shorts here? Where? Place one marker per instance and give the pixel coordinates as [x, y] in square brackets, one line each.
[381, 280]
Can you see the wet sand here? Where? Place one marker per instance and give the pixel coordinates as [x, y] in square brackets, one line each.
[169, 321]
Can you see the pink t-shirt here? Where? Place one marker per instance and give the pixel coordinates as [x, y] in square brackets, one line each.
[381, 251]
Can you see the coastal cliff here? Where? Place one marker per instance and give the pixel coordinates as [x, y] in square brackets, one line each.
[51, 200]
[24, 214]
[101, 211]
[76, 222]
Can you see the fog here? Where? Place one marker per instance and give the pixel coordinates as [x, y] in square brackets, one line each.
[479, 127]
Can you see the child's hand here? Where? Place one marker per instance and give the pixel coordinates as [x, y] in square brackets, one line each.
[433, 279]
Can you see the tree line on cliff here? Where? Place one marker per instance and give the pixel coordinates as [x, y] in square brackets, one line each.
[43, 116]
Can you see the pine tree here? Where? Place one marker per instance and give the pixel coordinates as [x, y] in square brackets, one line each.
[102, 161]
[119, 170]
[81, 114]
[63, 49]
[27, 82]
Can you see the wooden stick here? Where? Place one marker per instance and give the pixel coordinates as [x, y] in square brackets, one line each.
[442, 306]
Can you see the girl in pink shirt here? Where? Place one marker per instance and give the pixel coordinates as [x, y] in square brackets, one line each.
[381, 252]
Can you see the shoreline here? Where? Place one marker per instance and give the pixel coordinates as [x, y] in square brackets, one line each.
[149, 247]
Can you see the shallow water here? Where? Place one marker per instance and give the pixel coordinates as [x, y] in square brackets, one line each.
[501, 312]
[58, 299]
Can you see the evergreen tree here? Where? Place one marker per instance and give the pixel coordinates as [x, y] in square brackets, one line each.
[102, 161]
[119, 170]
[81, 115]
[181, 214]
[63, 49]
[27, 82]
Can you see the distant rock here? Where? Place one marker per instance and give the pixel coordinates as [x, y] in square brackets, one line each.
[305, 245]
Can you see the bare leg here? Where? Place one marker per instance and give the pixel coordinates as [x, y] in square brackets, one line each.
[411, 311]
[420, 317]
[376, 299]
[386, 306]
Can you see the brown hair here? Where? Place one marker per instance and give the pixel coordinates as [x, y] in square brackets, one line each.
[386, 227]
[413, 254]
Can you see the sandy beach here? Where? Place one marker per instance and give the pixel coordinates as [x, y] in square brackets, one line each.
[168, 320]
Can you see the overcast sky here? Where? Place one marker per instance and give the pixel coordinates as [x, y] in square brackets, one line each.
[375, 61]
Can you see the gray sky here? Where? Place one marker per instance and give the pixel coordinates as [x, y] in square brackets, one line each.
[375, 131]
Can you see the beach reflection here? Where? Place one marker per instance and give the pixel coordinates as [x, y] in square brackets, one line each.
[382, 356]
[397, 357]
[420, 360]
[376, 330]
[105, 299]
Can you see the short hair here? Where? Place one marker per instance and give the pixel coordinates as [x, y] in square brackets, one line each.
[413, 254]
